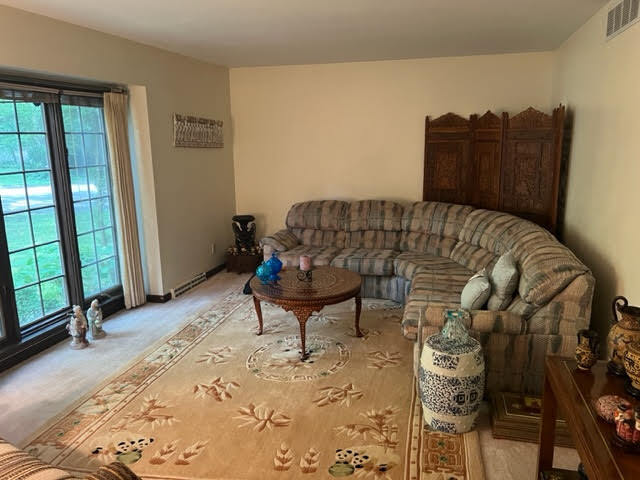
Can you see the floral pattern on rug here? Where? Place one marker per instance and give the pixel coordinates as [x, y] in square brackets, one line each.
[375, 460]
[281, 361]
[344, 395]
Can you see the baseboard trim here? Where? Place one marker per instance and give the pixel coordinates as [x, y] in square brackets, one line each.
[167, 296]
[215, 270]
[159, 298]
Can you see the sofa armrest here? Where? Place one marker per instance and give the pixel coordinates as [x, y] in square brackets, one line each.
[113, 471]
[482, 321]
[280, 241]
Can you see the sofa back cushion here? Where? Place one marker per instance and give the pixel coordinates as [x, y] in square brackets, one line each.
[374, 224]
[318, 215]
[318, 223]
[473, 257]
[320, 238]
[432, 227]
[546, 266]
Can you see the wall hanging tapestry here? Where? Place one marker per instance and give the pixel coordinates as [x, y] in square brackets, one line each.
[197, 132]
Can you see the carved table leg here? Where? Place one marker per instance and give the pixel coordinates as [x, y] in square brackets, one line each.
[256, 304]
[303, 340]
[358, 310]
[303, 314]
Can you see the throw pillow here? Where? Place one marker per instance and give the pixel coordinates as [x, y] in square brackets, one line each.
[476, 292]
[504, 281]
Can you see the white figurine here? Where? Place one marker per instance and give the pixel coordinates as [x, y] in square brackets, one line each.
[77, 328]
[94, 316]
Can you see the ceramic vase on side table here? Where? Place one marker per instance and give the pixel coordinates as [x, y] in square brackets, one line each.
[451, 377]
[632, 367]
[587, 349]
[623, 332]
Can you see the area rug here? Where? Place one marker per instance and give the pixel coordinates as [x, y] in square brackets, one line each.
[215, 401]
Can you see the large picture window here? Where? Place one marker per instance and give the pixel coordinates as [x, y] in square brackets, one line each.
[57, 235]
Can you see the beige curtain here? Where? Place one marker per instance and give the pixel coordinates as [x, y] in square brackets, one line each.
[115, 115]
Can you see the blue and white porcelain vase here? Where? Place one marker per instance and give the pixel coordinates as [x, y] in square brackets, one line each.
[451, 377]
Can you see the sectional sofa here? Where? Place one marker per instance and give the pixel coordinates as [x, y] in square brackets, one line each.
[423, 254]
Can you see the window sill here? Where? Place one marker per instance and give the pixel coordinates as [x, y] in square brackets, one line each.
[47, 336]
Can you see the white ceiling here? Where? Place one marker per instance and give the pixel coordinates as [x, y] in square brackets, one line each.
[277, 32]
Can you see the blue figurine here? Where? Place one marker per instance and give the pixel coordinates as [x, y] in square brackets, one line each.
[263, 272]
[275, 265]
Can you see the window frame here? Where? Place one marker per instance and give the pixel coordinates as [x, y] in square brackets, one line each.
[18, 343]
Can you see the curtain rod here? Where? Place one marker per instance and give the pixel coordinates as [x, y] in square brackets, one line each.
[58, 87]
[17, 86]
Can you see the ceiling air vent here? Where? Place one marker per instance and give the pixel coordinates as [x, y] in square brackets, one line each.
[621, 16]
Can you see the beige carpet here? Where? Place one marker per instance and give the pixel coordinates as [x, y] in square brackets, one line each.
[214, 401]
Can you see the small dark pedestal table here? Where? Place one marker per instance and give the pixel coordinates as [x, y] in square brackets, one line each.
[328, 286]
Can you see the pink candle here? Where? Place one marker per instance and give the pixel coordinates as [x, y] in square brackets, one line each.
[305, 263]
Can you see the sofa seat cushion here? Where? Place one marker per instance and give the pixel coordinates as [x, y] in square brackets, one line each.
[408, 264]
[366, 261]
[319, 255]
[429, 289]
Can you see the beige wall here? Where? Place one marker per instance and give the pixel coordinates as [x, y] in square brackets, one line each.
[193, 188]
[356, 130]
[599, 81]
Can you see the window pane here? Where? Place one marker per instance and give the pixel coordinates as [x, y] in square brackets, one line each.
[75, 149]
[29, 304]
[87, 248]
[71, 118]
[23, 268]
[29, 213]
[54, 295]
[90, 280]
[89, 173]
[94, 149]
[39, 189]
[49, 260]
[30, 117]
[101, 209]
[91, 119]
[98, 181]
[7, 117]
[45, 227]
[108, 273]
[79, 183]
[35, 153]
[13, 193]
[18, 231]
[9, 153]
[104, 243]
[83, 217]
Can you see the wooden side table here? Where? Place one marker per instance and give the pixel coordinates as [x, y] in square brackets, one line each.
[242, 263]
[573, 392]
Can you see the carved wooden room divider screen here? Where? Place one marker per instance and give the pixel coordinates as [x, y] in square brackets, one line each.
[511, 164]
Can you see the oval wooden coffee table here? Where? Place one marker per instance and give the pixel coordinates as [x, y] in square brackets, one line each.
[328, 285]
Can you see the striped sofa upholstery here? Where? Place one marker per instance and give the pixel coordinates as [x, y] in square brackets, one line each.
[16, 464]
[313, 228]
[423, 254]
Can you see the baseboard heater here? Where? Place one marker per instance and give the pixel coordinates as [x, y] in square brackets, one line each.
[188, 285]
